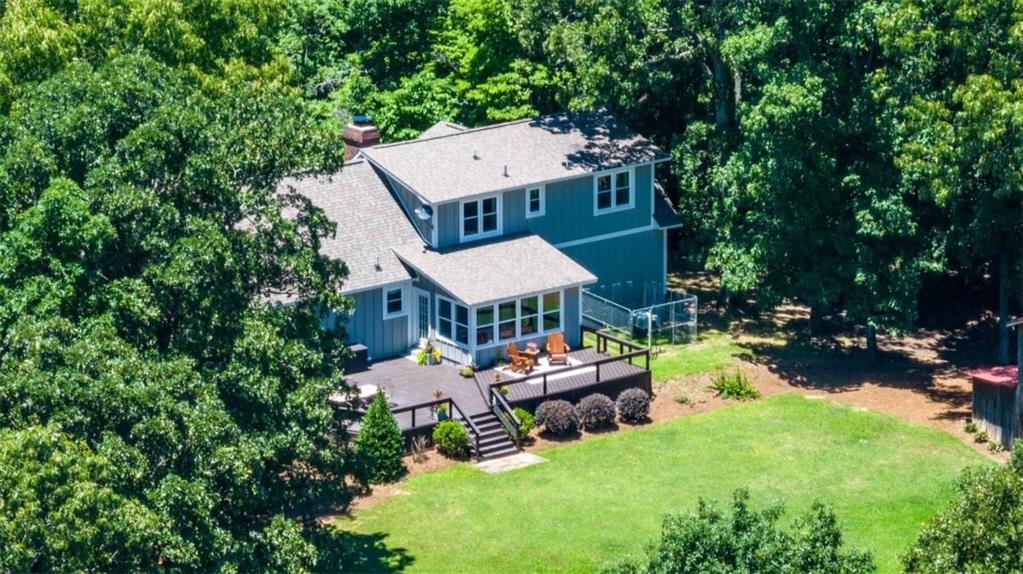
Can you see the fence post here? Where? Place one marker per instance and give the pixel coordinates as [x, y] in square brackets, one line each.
[414, 418]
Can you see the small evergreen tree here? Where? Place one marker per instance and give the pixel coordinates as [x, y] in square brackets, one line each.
[380, 442]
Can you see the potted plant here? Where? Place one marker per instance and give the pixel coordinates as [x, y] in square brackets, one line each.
[503, 389]
[439, 412]
[428, 354]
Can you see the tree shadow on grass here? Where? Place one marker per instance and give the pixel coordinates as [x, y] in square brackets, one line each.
[344, 551]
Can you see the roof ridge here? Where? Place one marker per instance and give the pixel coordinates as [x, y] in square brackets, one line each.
[463, 132]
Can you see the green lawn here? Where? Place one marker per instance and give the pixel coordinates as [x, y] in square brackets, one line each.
[598, 499]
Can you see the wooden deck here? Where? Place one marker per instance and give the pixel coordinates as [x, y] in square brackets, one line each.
[582, 378]
[411, 388]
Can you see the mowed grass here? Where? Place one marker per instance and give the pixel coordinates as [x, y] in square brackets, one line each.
[597, 500]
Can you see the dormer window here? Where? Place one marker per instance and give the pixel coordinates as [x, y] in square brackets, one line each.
[481, 218]
[535, 201]
[613, 191]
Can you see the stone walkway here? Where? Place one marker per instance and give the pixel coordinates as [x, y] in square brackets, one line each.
[506, 463]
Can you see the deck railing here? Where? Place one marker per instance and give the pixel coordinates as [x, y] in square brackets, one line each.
[452, 407]
[627, 352]
[504, 413]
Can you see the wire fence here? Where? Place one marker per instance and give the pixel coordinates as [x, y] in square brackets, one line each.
[673, 321]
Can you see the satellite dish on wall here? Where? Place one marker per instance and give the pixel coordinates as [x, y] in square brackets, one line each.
[424, 212]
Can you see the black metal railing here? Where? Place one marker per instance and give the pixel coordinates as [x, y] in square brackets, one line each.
[627, 352]
[504, 413]
[452, 408]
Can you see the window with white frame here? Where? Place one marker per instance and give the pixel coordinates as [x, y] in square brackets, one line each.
[529, 312]
[552, 311]
[613, 190]
[394, 302]
[485, 325]
[480, 218]
[507, 317]
[535, 202]
[524, 317]
[452, 321]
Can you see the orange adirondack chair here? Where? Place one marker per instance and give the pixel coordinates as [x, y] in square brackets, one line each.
[557, 350]
[519, 362]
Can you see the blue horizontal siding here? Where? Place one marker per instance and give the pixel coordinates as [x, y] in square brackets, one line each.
[629, 269]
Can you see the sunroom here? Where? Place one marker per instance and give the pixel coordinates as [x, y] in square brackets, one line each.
[471, 301]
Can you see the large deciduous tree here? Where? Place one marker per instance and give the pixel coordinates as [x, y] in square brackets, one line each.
[158, 406]
[955, 80]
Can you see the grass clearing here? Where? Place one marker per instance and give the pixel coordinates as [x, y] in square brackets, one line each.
[598, 499]
[713, 351]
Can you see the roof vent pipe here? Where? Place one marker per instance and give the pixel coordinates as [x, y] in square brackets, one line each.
[505, 170]
[475, 154]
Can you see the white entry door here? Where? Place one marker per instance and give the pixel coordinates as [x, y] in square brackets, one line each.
[422, 317]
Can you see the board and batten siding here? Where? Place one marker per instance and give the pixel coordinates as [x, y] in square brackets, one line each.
[569, 213]
[411, 202]
[629, 269]
[571, 321]
[366, 324]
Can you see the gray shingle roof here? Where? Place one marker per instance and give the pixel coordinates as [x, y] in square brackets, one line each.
[442, 129]
[472, 162]
[370, 222]
[495, 270]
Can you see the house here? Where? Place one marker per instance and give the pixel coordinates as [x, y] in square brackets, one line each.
[473, 238]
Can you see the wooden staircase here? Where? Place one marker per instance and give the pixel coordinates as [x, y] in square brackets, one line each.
[494, 439]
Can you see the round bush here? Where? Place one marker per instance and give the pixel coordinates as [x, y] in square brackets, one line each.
[633, 405]
[557, 417]
[596, 411]
[526, 422]
[451, 439]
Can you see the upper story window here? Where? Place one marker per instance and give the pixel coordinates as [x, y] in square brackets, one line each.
[536, 202]
[613, 191]
[481, 218]
[394, 303]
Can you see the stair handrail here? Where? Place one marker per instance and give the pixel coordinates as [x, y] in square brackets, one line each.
[504, 413]
[473, 429]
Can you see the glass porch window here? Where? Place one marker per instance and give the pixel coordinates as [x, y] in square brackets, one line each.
[506, 320]
[530, 308]
[552, 311]
[444, 326]
[485, 325]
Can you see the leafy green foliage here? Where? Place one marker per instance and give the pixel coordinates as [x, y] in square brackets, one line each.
[734, 385]
[380, 442]
[451, 439]
[749, 540]
[977, 532]
[143, 245]
[526, 421]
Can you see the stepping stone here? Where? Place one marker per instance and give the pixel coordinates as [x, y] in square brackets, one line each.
[506, 463]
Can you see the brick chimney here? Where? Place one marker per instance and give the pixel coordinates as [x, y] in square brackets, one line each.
[360, 134]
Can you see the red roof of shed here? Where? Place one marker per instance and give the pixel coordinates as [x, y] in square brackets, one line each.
[1005, 376]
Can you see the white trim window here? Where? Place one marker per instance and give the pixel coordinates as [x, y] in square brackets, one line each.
[528, 316]
[394, 303]
[452, 321]
[612, 191]
[480, 218]
[484, 325]
[536, 201]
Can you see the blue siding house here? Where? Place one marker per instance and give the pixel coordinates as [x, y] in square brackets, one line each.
[474, 238]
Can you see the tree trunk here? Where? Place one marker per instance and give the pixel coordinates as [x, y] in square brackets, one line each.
[816, 320]
[724, 92]
[871, 341]
[1003, 308]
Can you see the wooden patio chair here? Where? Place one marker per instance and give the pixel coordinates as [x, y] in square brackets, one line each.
[557, 350]
[519, 362]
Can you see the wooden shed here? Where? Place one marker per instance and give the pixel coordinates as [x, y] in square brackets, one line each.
[998, 398]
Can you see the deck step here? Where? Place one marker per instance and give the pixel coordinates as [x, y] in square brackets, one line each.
[494, 441]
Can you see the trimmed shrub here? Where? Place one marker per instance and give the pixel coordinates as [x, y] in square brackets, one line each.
[451, 439]
[380, 443]
[526, 421]
[596, 411]
[735, 385]
[970, 426]
[557, 417]
[634, 405]
[980, 437]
